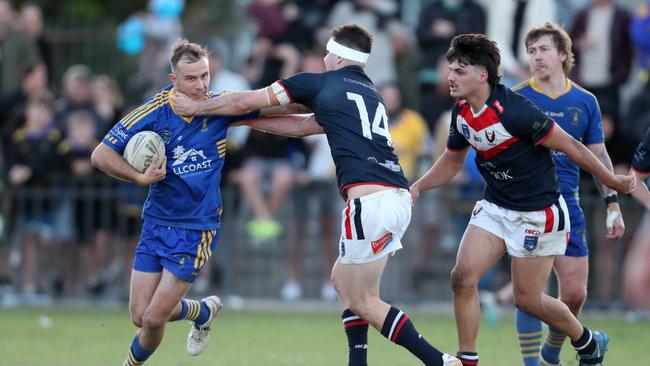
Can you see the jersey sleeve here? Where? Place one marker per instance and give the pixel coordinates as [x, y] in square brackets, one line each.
[594, 133]
[456, 140]
[300, 88]
[140, 119]
[526, 121]
[641, 160]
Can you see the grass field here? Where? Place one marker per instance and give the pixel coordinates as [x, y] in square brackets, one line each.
[101, 337]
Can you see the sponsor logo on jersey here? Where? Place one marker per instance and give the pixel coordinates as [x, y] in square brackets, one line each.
[120, 133]
[502, 175]
[530, 242]
[190, 161]
[487, 165]
[379, 244]
[498, 106]
[389, 164]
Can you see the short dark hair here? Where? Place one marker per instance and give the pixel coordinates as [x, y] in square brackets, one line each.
[188, 51]
[353, 36]
[560, 38]
[476, 49]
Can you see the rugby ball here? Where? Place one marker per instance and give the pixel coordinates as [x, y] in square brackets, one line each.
[141, 149]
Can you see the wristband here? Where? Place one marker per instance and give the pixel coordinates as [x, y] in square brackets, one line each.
[612, 198]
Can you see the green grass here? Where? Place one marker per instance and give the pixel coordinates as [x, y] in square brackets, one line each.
[101, 337]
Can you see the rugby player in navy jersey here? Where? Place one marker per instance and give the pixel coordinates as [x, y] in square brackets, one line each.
[351, 113]
[636, 272]
[182, 212]
[522, 212]
[641, 168]
[575, 110]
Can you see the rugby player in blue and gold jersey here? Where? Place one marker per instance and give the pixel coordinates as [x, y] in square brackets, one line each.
[575, 110]
[350, 111]
[522, 212]
[181, 216]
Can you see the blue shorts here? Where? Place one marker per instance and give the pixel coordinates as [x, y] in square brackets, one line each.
[182, 252]
[577, 246]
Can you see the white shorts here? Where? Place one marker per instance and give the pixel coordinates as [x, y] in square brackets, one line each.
[372, 226]
[526, 233]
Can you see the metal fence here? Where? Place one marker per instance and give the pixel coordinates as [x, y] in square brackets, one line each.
[248, 267]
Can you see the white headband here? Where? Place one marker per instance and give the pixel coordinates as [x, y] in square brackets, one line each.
[346, 52]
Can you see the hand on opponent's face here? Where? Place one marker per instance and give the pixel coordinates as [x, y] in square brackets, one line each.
[184, 105]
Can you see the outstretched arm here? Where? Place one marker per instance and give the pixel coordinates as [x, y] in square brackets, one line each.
[559, 140]
[641, 192]
[292, 125]
[227, 104]
[447, 166]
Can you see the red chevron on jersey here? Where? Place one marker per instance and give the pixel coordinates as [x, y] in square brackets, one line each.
[483, 119]
[484, 131]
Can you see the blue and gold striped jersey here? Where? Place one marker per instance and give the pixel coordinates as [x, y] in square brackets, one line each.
[189, 197]
[576, 110]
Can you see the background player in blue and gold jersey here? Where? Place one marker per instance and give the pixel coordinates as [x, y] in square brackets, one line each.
[351, 112]
[576, 111]
[182, 212]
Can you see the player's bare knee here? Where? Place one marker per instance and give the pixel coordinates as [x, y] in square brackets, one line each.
[137, 320]
[151, 320]
[575, 300]
[462, 279]
[528, 303]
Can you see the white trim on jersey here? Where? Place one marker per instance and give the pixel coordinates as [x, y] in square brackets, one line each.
[280, 93]
[346, 52]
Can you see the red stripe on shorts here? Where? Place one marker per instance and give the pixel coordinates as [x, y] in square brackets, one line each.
[348, 228]
[549, 220]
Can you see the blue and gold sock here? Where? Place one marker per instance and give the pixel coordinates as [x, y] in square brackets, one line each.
[197, 311]
[399, 329]
[553, 345]
[357, 331]
[137, 355]
[529, 330]
[586, 344]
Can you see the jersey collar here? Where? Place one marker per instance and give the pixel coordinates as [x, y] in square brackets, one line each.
[567, 88]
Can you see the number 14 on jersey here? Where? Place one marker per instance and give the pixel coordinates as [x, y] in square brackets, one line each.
[380, 116]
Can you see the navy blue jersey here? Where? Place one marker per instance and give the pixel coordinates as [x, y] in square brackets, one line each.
[576, 111]
[352, 113]
[506, 133]
[641, 160]
[189, 196]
